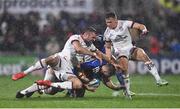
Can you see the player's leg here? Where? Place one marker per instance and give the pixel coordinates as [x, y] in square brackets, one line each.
[51, 61]
[34, 87]
[140, 55]
[122, 74]
[50, 76]
[71, 83]
[65, 74]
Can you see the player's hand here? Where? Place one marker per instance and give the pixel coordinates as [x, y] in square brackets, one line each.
[92, 89]
[98, 56]
[144, 32]
[18, 76]
[83, 77]
[117, 66]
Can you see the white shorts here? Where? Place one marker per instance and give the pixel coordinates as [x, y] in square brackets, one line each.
[127, 52]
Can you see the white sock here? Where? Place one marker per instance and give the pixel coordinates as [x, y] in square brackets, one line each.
[32, 88]
[155, 73]
[127, 84]
[38, 65]
[63, 85]
[153, 70]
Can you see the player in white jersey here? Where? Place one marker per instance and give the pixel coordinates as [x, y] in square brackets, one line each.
[62, 63]
[86, 62]
[117, 33]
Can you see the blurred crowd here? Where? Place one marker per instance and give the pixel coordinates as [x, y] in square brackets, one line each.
[27, 33]
[31, 33]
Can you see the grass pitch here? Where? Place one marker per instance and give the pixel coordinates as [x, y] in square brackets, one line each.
[148, 95]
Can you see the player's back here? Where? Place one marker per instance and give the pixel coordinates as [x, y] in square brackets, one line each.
[68, 50]
[70, 53]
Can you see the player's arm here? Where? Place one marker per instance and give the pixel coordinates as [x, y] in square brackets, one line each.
[83, 77]
[103, 56]
[43, 63]
[108, 49]
[140, 27]
[85, 81]
[111, 61]
[114, 63]
[108, 82]
[109, 57]
[92, 89]
[108, 43]
[81, 50]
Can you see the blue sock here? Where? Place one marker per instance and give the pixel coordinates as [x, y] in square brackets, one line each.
[120, 77]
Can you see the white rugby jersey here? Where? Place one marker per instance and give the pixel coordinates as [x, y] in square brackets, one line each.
[70, 53]
[120, 36]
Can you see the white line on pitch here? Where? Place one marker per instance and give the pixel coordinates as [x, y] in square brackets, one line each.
[158, 94]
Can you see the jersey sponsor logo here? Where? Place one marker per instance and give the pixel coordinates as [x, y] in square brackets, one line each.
[120, 38]
[121, 28]
[96, 69]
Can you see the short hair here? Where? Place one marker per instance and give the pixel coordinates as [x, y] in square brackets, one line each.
[89, 29]
[110, 14]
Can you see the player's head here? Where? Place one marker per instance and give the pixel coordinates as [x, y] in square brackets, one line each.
[89, 34]
[107, 70]
[111, 20]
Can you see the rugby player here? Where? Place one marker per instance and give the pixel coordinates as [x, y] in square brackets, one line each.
[62, 63]
[117, 34]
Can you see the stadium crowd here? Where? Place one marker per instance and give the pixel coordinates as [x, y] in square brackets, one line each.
[30, 33]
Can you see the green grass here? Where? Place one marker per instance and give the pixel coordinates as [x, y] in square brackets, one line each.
[167, 97]
[16, 59]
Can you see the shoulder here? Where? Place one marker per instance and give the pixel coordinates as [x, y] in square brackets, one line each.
[126, 23]
[74, 37]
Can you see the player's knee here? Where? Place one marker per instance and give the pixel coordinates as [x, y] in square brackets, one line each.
[123, 63]
[141, 52]
[149, 64]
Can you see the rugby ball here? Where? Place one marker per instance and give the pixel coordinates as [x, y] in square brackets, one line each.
[94, 83]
